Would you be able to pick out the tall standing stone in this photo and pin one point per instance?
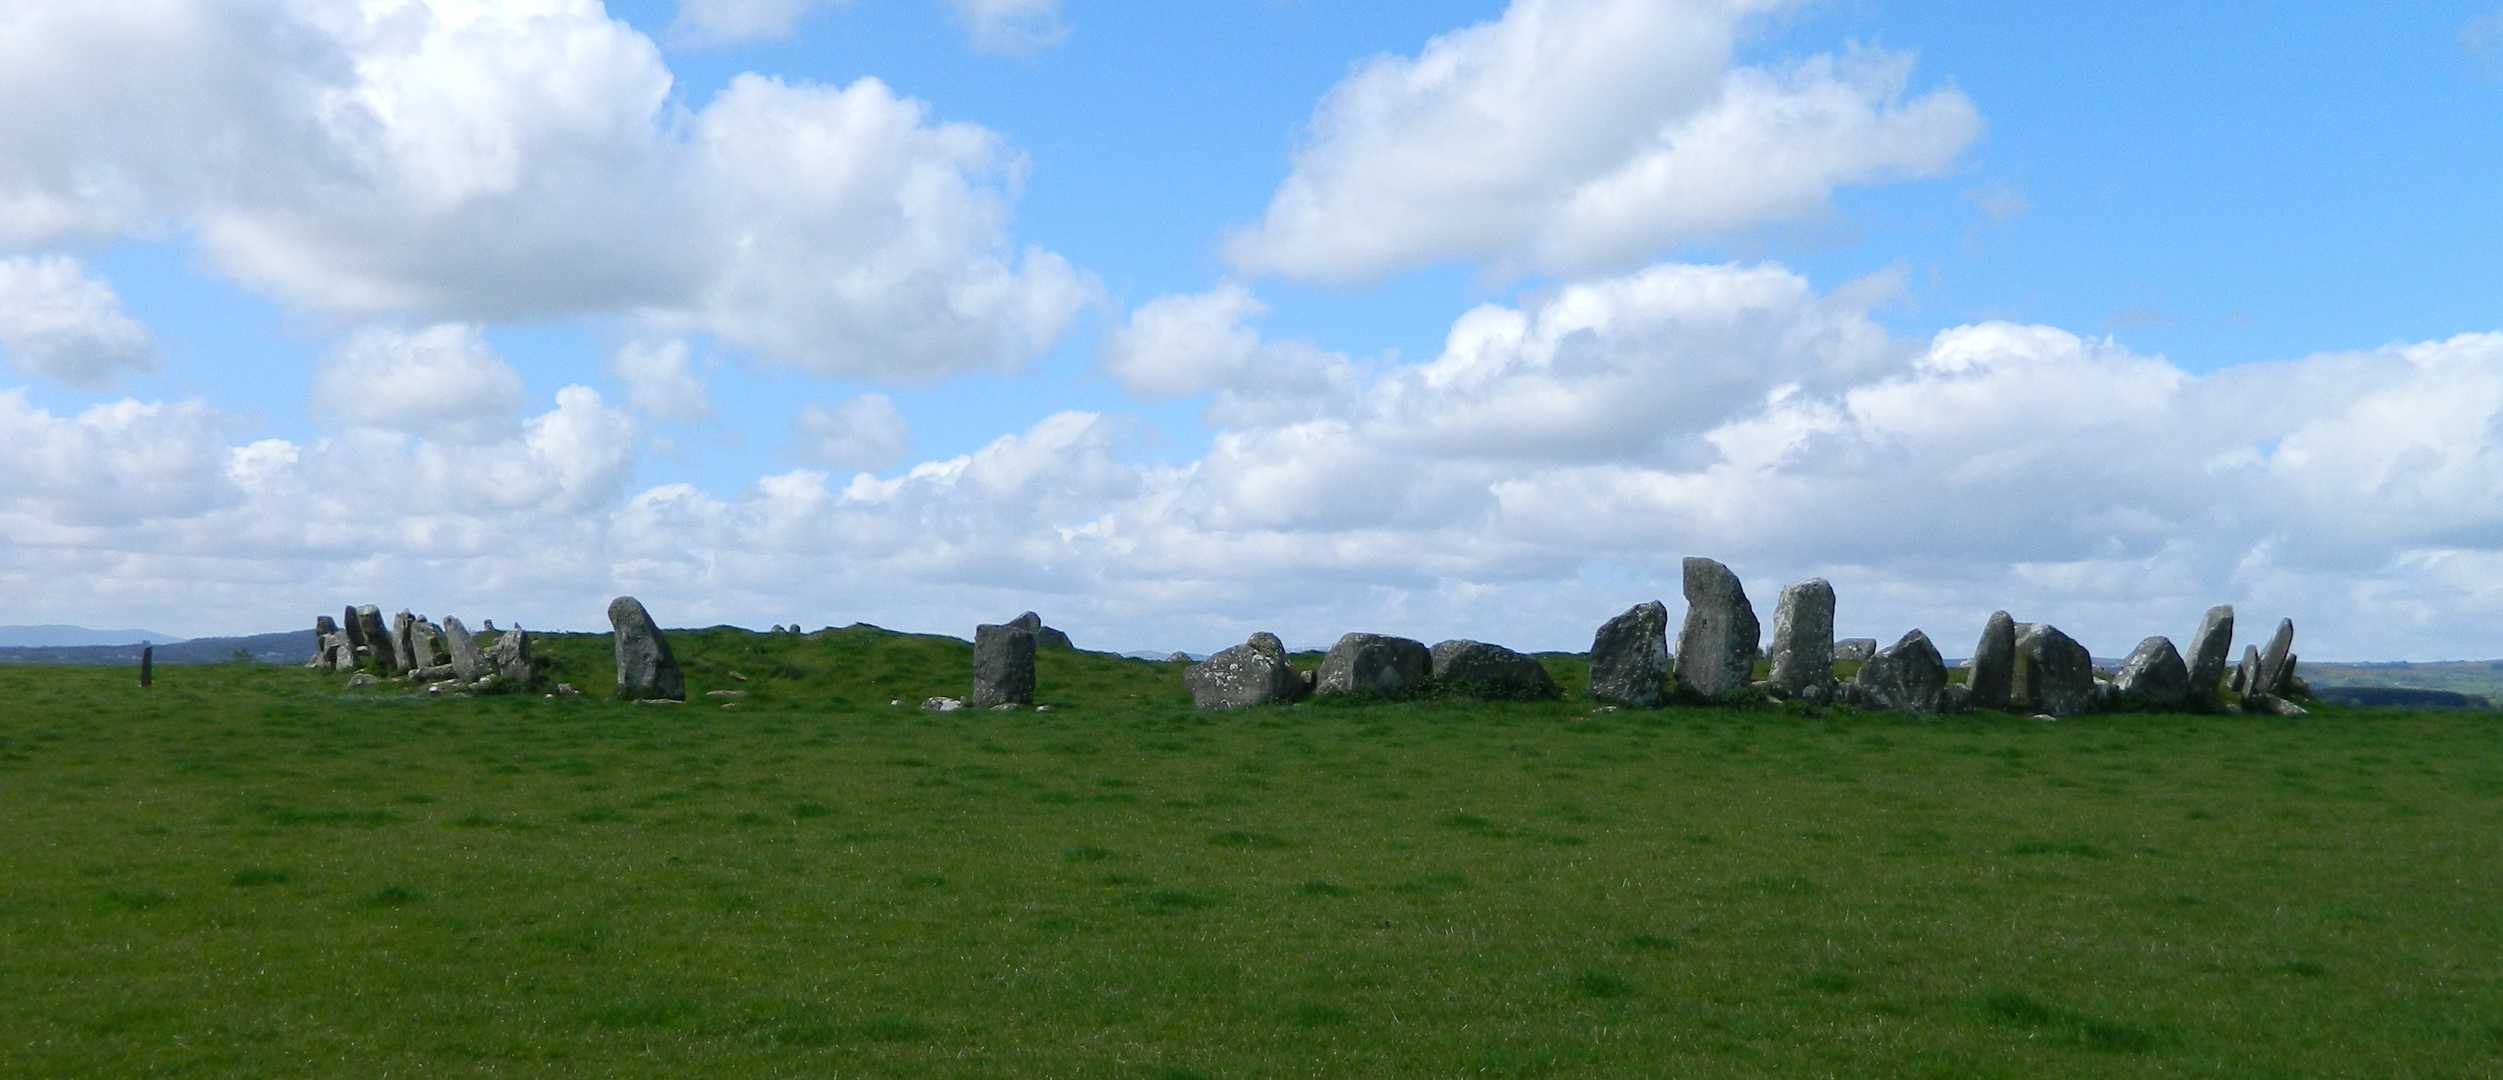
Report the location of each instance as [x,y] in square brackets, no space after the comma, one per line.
[426,645]
[1629,657]
[377,637]
[354,628]
[1253,673]
[1716,648]
[1376,664]
[147,666]
[2054,673]
[1908,676]
[2276,662]
[2153,677]
[2209,653]
[469,664]
[1003,666]
[403,641]
[1803,637]
[1993,674]
[645,668]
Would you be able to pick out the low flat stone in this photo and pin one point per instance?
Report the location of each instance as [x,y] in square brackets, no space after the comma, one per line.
[1490,672]
[1716,646]
[725,693]
[1003,666]
[1629,657]
[1803,637]
[363,679]
[1378,665]
[1993,667]
[941,704]
[2153,678]
[1907,676]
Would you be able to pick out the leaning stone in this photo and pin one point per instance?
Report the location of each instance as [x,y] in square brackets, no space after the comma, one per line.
[1044,637]
[1374,664]
[1716,647]
[1856,649]
[2054,674]
[2153,678]
[426,644]
[646,671]
[1803,637]
[1490,672]
[1003,666]
[510,658]
[1908,676]
[403,641]
[2272,705]
[2210,651]
[468,663]
[1629,658]
[2275,662]
[353,627]
[1994,663]
[2246,674]
[377,638]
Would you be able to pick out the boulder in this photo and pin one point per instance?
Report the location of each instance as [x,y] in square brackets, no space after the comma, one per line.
[1044,637]
[403,627]
[2054,674]
[322,629]
[1490,672]
[1629,658]
[645,669]
[2210,651]
[1855,649]
[426,645]
[1003,666]
[1956,699]
[2153,678]
[377,638]
[1908,676]
[1374,664]
[336,655]
[1994,663]
[510,659]
[468,662]
[1803,637]
[1253,673]
[2276,662]
[2272,705]
[1716,648]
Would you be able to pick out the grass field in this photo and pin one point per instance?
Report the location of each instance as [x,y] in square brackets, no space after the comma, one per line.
[250,871]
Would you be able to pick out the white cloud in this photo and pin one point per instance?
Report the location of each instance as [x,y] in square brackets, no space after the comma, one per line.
[659,383]
[731,22]
[59,322]
[1012,27]
[1577,136]
[453,161]
[444,382]
[1174,346]
[863,432]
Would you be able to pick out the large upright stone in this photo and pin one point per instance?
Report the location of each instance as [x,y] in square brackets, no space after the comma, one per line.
[377,637]
[2210,652]
[468,663]
[1003,666]
[645,669]
[1716,648]
[425,643]
[2276,662]
[2153,677]
[2054,674]
[1253,673]
[404,641]
[509,659]
[1993,672]
[1374,664]
[1629,657]
[354,628]
[1803,637]
[1044,637]
[2246,674]
[1908,675]
[1490,672]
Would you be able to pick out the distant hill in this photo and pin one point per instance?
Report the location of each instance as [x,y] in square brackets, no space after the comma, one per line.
[282,647]
[2476,678]
[56,636]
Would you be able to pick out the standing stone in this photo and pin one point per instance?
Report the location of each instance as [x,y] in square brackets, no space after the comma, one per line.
[355,629]
[1629,658]
[1855,649]
[1253,673]
[2276,662]
[2246,674]
[403,634]
[1803,637]
[2209,653]
[336,655]
[2054,674]
[426,645]
[2153,677]
[147,666]
[1994,663]
[322,629]
[1716,648]
[645,669]
[1003,666]
[509,659]
[1377,664]
[377,638]
[469,664]
[1908,676]
[1490,672]
[1044,637]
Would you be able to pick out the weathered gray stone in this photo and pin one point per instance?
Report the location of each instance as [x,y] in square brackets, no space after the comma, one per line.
[1803,637]
[1908,676]
[1994,663]
[2246,674]
[1490,672]
[509,659]
[1003,666]
[2276,662]
[322,629]
[1253,673]
[2054,674]
[1044,637]
[2210,651]
[377,638]
[2272,705]
[1374,664]
[468,661]
[1716,647]
[1629,657]
[1855,649]
[426,644]
[403,659]
[646,670]
[354,627]
[434,673]
[362,680]
[2153,677]
[1956,699]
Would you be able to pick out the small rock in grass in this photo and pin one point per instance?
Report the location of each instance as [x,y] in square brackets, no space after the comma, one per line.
[362,680]
[567,690]
[1042,708]
[942,704]
[1006,706]
[725,693]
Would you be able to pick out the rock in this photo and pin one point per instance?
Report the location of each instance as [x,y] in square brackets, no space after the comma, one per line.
[2272,705]
[510,658]
[377,638]
[1956,699]
[1178,658]
[567,690]
[941,704]
[1490,672]
[2153,678]
[363,679]
[403,640]
[1374,664]
[435,673]
[1817,693]
[1803,637]
[725,693]
[1003,666]
[426,644]
[2276,662]
[1005,706]
[353,627]
[1629,657]
[2054,674]
[468,663]
[646,671]
[1993,667]
[1253,673]
[2210,651]
[1716,648]
[1044,637]
[1856,649]
[2246,674]
[1908,676]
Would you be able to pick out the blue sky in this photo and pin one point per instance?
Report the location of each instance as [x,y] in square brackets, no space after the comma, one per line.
[2237,197]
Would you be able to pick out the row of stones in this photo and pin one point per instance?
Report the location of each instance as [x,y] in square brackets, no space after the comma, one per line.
[1257,672]
[418,649]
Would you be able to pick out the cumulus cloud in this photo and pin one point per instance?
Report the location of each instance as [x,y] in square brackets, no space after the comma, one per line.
[59,322]
[864,432]
[1179,345]
[659,382]
[451,161]
[1581,136]
[443,382]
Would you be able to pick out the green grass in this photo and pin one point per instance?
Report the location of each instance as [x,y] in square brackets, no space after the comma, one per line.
[253,872]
